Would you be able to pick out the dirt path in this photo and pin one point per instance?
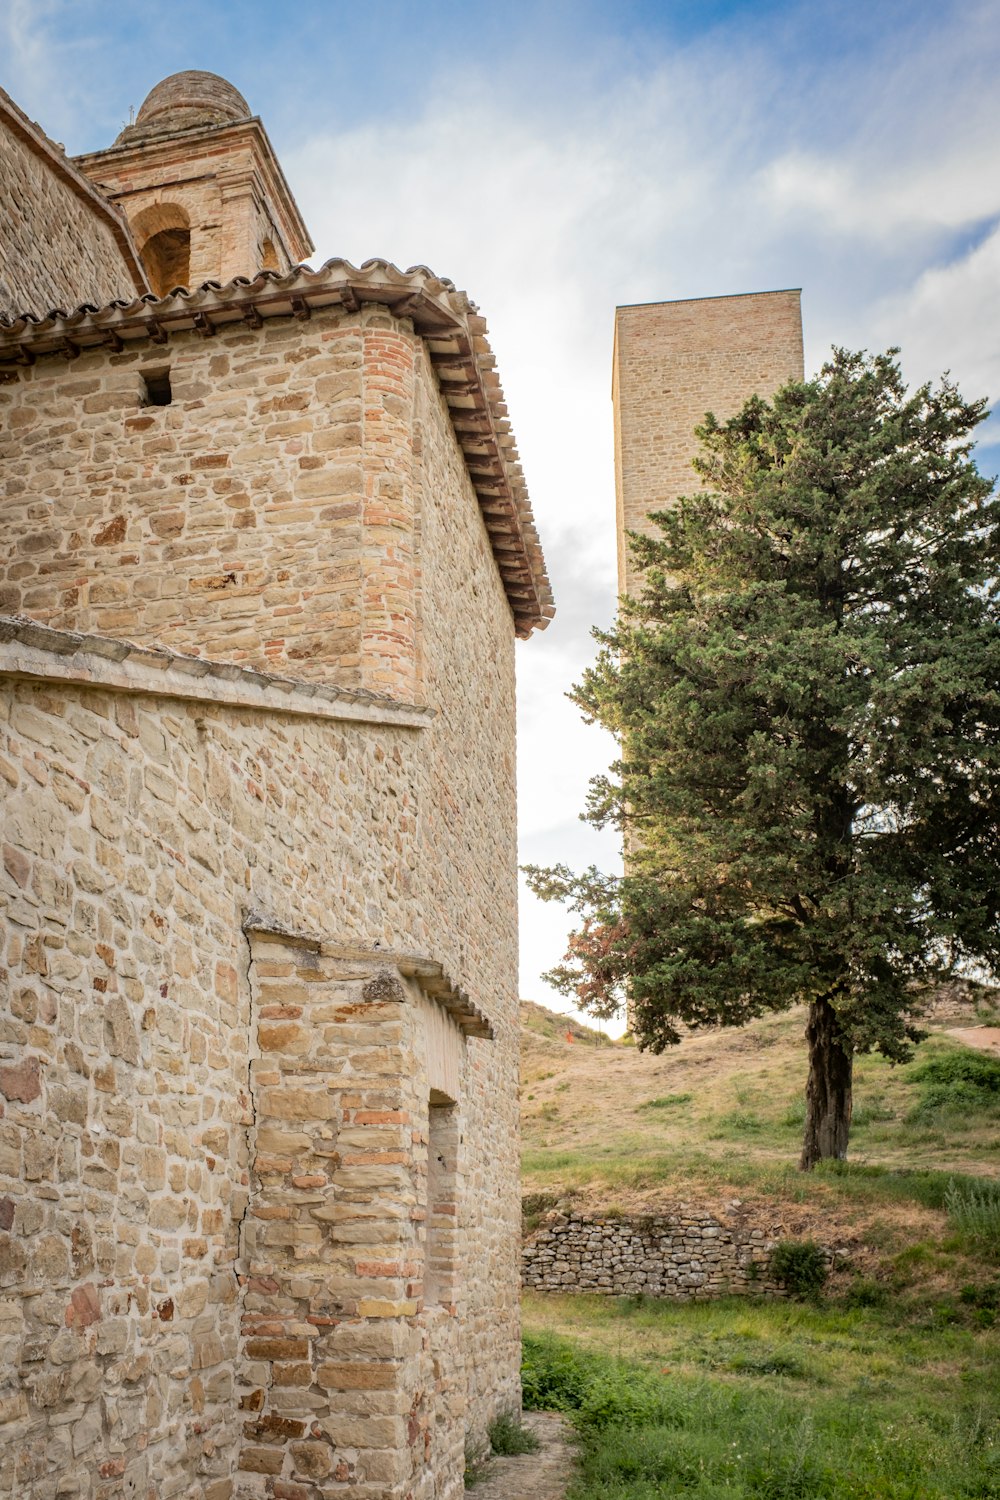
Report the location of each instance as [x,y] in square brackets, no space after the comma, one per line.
[983,1038]
[532,1476]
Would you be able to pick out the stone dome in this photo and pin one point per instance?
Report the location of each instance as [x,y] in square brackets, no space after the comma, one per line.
[186,101]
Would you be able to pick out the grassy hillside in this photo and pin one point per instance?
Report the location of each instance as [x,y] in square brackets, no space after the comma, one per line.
[887,1387]
[720,1117]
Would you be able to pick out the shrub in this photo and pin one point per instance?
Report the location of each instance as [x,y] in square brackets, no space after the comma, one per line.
[965,1078]
[508,1438]
[799,1265]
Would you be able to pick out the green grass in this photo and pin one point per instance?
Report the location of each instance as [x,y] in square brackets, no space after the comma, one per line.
[773,1401]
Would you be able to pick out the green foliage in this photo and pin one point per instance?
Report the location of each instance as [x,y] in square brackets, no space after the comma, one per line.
[805,695]
[800,1266]
[554,1376]
[508,1438]
[755,1432]
[864,1292]
[871,1112]
[667,1101]
[960,1079]
[974,1210]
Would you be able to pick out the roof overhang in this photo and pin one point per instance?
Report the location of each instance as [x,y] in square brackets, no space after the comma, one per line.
[447,321]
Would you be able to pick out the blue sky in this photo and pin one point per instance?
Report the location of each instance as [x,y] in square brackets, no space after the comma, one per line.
[556,159]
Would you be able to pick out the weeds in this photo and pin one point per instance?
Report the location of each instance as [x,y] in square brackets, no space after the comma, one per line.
[839,1408]
[974,1210]
[508,1438]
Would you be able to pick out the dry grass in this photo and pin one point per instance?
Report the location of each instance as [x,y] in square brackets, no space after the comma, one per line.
[720,1116]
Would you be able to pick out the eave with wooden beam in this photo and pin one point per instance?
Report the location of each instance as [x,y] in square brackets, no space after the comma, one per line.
[450,325]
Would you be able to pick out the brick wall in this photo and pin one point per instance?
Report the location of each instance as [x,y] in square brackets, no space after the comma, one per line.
[673,362]
[224,184]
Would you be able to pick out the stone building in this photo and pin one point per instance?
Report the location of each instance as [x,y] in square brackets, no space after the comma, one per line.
[266,549]
[673,362]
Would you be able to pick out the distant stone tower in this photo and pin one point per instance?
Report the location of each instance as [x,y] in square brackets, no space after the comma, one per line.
[201,187]
[673,362]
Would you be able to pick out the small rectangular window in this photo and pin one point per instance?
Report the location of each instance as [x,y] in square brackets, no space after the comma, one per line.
[157,388]
[441,1264]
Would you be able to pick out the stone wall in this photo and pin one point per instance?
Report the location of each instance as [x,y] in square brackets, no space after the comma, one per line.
[61,244]
[468,798]
[267,515]
[686,1254]
[188,1182]
[673,362]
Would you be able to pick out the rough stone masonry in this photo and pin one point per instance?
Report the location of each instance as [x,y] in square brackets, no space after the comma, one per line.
[266,549]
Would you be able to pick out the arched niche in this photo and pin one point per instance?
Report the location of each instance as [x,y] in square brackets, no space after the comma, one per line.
[269,256]
[163,237]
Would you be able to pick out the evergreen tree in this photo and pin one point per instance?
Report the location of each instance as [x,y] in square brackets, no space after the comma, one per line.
[806,696]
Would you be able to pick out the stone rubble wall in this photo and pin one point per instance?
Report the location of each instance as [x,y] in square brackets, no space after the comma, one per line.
[57,244]
[687,1254]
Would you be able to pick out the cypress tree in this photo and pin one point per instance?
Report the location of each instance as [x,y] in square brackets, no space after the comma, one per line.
[806,697]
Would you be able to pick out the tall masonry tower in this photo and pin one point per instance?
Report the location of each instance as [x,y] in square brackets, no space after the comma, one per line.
[673,362]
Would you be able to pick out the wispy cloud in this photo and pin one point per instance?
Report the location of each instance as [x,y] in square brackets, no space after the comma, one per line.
[578,156]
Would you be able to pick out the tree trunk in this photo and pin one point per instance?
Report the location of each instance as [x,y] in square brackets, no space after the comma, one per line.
[828,1091]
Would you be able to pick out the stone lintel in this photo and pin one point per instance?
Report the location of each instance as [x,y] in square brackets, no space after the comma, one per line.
[40,653]
[429,975]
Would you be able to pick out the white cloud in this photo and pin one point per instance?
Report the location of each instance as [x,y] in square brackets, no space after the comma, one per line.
[711,171]
[939,321]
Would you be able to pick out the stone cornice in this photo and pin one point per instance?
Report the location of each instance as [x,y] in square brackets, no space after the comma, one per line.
[41,654]
[455,337]
[62,167]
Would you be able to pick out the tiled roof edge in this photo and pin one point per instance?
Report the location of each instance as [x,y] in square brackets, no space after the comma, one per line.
[445,318]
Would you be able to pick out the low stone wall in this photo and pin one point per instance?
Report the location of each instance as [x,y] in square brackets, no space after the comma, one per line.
[685,1253]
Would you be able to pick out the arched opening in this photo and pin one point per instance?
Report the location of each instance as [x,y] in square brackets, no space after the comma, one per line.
[269,257]
[163,236]
[167,259]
